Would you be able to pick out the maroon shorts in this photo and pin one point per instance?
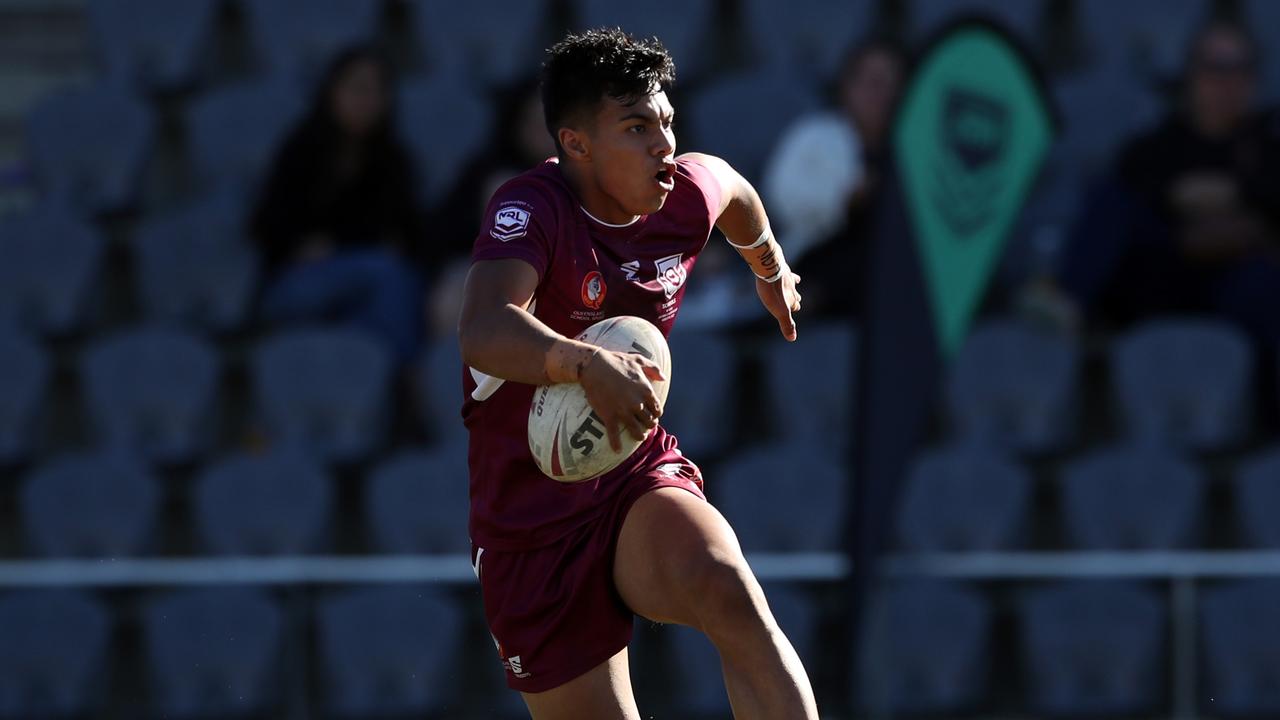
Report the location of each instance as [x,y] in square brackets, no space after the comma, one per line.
[554,611]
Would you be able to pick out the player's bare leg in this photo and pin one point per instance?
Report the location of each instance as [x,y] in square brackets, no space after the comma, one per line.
[604,692]
[678,561]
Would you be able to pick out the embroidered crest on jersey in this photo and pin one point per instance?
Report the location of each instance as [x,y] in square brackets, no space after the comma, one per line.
[509,223]
[631,268]
[671,274]
[593,290]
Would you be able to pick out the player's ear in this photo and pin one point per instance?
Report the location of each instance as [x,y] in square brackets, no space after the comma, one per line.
[575,143]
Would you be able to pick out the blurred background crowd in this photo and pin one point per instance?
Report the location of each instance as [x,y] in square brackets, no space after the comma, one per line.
[232,240]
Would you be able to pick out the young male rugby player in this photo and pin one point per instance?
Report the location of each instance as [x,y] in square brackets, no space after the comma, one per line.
[612,226]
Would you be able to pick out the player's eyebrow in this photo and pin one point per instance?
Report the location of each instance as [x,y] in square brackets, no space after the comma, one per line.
[647,117]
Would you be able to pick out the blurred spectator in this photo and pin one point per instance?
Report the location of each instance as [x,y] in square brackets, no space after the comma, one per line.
[1189,220]
[822,182]
[336,223]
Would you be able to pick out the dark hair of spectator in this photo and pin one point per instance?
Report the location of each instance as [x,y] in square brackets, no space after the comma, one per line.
[582,69]
[865,48]
[1195,49]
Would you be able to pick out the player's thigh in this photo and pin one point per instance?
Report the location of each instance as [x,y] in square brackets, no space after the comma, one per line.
[603,692]
[678,561]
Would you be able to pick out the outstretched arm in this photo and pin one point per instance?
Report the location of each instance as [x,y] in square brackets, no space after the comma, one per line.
[745,225]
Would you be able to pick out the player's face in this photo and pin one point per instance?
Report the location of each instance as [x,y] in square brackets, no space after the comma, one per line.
[358,98]
[632,153]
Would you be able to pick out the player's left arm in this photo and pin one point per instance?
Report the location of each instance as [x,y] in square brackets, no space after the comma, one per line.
[745,225]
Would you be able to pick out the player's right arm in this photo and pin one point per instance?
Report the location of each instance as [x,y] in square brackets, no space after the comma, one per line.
[499,336]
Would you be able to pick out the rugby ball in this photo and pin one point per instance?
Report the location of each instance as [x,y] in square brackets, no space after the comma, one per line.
[566,437]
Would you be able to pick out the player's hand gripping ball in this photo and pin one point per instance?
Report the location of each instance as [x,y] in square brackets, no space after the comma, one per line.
[567,438]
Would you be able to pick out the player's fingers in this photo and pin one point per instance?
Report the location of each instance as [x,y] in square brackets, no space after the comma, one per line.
[650,368]
[787,325]
[637,428]
[611,429]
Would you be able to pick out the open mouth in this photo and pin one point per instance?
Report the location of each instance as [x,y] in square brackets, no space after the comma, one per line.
[665,179]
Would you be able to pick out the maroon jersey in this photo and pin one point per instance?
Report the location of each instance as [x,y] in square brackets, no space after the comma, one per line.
[587,270]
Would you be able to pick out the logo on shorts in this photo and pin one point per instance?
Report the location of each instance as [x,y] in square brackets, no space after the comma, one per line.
[516,666]
[593,290]
[510,223]
[671,274]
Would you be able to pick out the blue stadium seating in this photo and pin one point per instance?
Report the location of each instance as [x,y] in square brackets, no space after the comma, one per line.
[811,36]
[273,504]
[53,658]
[1266,14]
[697,663]
[1257,499]
[1149,36]
[195,266]
[1184,382]
[388,651]
[213,653]
[727,100]
[234,131]
[964,499]
[927,649]
[296,39]
[326,391]
[89,505]
[49,265]
[152,392]
[1015,387]
[442,143]
[699,410]
[683,26]
[1093,648]
[156,44]
[1089,139]
[783,498]
[1021,18]
[489,42]
[417,502]
[811,382]
[88,146]
[440,393]
[24,385]
[1241,639]
[1132,498]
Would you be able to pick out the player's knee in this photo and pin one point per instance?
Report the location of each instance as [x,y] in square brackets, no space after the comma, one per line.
[725,595]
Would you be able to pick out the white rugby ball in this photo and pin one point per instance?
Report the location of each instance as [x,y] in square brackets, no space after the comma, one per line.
[566,437]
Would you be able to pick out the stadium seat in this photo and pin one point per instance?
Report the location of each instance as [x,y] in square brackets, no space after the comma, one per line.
[326,391]
[1021,18]
[440,393]
[1266,14]
[233,132]
[1184,382]
[811,36]
[488,42]
[716,115]
[1089,140]
[296,39]
[1241,636]
[388,651]
[927,649]
[683,26]
[811,383]
[783,498]
[697,663]
[274,504]
[49,265]
[1132,498]
[699,412]
[53,661]
[1148,38]
[213,653]
[1093,649]
[442,143]
[964,499]
[417,502]
[25,372]
[1014,387]
[1257,499]
[152,392]
[195,266]
[88,146]
[89,505]
[161,53]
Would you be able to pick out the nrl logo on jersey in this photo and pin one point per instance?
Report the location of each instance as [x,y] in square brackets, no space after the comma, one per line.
[509,223]
[671,274]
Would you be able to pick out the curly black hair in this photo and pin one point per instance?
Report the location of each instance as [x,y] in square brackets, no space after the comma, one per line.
[584,68]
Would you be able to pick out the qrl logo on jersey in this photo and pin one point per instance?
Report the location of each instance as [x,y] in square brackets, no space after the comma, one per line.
[671,273]
[593,290]
[510,223]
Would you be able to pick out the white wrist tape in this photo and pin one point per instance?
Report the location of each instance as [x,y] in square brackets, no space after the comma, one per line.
[764,238]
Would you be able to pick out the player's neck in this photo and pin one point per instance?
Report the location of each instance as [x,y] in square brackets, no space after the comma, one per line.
[595,202]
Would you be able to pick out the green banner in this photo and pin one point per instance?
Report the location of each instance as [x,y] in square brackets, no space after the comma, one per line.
[971,137]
